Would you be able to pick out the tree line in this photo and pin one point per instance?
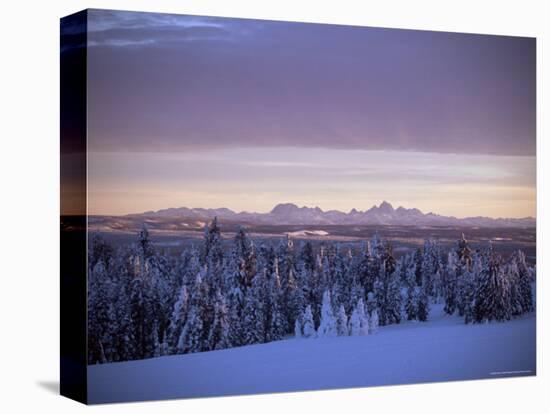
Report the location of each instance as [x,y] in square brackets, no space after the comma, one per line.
[144,303]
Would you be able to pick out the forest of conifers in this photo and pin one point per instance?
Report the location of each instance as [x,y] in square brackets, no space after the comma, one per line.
[143,302]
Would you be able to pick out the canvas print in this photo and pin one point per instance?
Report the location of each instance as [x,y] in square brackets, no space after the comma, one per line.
[265,206]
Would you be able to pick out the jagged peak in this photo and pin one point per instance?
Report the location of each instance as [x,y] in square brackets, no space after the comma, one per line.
[384,213]
[385,206]
[284,207]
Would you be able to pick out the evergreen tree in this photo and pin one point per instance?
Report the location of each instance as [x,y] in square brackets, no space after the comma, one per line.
[418,266]
[411,305]
[236,281]
[161,287]
[452,288]
[254,321]
[219,331]
[512,275]
[286,260]
[364,272]
[156,342]
[177,319]
[430,264]
[308,327]
[358,322]
[387,290]
[189,267]
[144,245]
[342,322]
[524,280]
[357,291]
[422,304]
[464,252]
[468,289]
[100,250]
[325,277]
[341,287]
[327,328]
[211,249]
[277,322]
[371,303]
[245,255]
[298,329]
[293,299]
[491,291]
[307,258]
[190,339]
[236,305]
[121,332]
[437,285]
[138,315]
[373,322]
[102,317]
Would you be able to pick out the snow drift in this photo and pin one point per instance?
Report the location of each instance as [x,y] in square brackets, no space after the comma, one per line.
[443,349]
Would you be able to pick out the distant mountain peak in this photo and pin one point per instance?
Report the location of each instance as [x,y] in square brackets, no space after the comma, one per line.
[385,207]
[284,208]
[383,214]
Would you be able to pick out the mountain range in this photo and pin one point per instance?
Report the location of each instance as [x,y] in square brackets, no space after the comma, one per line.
[383,214]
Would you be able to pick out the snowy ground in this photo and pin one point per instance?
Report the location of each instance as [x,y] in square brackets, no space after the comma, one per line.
[443,349]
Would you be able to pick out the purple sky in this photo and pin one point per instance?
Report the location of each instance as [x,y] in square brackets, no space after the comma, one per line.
[187,85]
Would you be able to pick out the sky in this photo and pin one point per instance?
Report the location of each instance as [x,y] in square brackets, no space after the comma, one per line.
[214,112]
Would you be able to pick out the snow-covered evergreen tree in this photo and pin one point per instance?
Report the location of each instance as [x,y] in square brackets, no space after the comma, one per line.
[371,304]
[358,321]
[342,280]
[219,331]
[342,322]
[387,290]
[308,328]
[298,329]
[190,339]
[373,322]
[99,315]
[255,311]
[277,322]
[411,305]
[430,265]
[293,299]
[100,250]
[491,295]
[452,287]
[524,280]
[422,304]
[211,248]
[139,318]
[157,351]
[144,245]
[468,286]
[327,327]
[177,320]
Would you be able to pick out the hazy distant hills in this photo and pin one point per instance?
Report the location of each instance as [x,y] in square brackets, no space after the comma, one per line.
[291,214]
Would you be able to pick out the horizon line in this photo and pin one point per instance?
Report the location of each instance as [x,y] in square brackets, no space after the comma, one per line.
[314,207]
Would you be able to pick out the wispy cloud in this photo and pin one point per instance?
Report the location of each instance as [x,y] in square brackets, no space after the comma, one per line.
[123,28]
[121,42]
[102,20]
